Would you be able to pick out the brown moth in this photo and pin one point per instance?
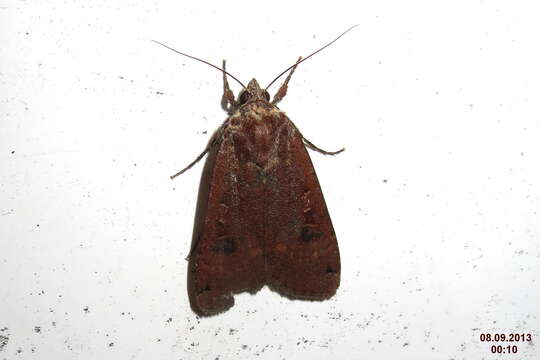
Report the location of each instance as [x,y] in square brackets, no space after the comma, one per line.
[261,218]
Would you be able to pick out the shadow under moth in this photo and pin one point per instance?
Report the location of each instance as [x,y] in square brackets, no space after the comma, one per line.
[261,218]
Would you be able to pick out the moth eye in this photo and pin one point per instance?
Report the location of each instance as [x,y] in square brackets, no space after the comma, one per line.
[266,95]
[244,97]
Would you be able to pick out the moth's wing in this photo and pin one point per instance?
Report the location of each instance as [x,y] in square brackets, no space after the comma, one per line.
[226,255]
[302,254]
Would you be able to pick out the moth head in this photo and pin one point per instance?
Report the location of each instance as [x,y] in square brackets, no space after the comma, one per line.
[253,92]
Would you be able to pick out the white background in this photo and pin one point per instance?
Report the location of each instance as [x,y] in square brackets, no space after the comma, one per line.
[435,202]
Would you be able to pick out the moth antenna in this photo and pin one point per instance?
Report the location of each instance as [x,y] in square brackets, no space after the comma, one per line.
[307,57]
[201,60]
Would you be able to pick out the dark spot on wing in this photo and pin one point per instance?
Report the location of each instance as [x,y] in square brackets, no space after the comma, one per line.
[330,270]
[226,245]
[309,233]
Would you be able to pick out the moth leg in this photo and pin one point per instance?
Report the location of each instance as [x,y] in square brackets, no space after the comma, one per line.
[192,163]
[283,89]
[310,145]
[228,103]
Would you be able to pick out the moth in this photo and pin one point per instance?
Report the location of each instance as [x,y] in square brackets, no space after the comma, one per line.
[261,219]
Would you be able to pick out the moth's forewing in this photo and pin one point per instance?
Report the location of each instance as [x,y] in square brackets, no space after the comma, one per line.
[302,254]
[226,255]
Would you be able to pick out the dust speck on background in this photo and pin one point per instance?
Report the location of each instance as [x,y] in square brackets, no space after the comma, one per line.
[3,341]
